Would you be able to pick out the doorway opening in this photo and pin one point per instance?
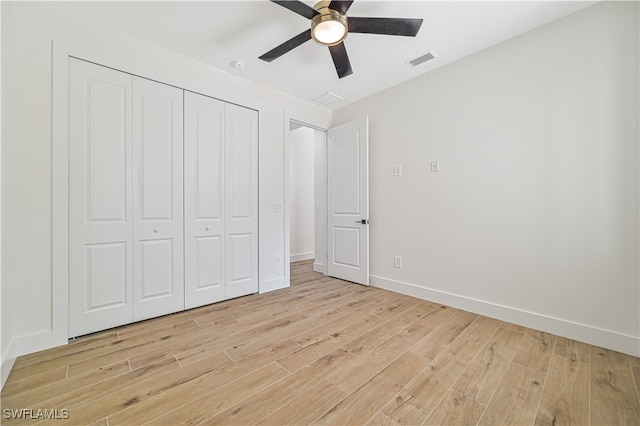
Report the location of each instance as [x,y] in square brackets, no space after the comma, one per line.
[302,206]
[340,187]
[306,194]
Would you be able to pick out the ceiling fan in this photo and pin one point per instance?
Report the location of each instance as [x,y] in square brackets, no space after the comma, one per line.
[330,26]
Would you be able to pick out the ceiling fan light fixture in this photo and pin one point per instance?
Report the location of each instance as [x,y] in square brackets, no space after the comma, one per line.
[329,27]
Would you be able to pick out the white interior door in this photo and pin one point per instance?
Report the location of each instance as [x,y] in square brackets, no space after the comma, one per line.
[204,200]
[100,209]
[241,153]
[158,277]
[348,201]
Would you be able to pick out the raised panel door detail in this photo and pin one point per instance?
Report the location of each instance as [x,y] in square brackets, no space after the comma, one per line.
[346,167]
[106,275]
[240,170]
[106,150]
[100,207]
[209,273]
[157,156]
[240,255]
[209,168]
[346,246]
[157,269]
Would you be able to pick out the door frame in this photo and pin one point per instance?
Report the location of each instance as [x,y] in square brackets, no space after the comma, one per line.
[306,122]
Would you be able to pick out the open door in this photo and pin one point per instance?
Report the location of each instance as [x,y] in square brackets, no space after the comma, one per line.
[348,201]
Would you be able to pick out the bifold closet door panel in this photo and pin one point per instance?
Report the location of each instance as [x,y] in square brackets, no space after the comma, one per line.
[204,208]
[100,208]
[163,214]
[158,274]
[241,146]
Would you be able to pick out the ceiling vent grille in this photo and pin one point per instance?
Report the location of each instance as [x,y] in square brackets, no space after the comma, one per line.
[328,98]
[421,59]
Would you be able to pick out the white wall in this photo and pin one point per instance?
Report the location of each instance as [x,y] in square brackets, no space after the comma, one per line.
[533,217]
[320,205]
[301,195]
[34,37]
[5,328]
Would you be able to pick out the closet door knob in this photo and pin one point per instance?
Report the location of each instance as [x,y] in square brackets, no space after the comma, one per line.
[156,230]
[207,228]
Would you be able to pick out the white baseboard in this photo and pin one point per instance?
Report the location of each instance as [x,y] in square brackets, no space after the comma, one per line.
[319,267]
[272,285]
[302,256]
[572,330]
[28,344]
[7,364]
[38,341]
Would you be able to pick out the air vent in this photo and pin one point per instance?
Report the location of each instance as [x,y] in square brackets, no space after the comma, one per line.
[421,59]
[328,98]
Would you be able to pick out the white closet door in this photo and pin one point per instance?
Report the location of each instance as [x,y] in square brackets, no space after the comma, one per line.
[242,200]
[204,208]
[157,209]
[100,210]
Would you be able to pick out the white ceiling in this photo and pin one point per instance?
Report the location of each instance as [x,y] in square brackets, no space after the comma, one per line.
[218,32]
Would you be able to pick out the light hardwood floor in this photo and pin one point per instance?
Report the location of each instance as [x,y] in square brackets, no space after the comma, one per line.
[325,352]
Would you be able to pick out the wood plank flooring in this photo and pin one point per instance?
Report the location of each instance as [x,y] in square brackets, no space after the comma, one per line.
[323,352]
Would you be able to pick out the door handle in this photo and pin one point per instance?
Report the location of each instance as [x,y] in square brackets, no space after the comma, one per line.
[363,221]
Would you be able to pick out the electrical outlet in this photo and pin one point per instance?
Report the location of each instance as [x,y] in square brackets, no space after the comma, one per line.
[278,259]
[397,262]
[435,166]
[397,170]
[278,207]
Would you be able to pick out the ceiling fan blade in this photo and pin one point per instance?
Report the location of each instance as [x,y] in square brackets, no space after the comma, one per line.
[341,60]
[288,45]
[388,26]
[340,6]
[297,7]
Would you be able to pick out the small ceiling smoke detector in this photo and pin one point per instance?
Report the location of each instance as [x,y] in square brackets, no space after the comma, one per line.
[238,63]
[421,59]
[328,98]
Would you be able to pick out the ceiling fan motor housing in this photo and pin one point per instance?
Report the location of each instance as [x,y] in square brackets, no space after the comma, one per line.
[329,27]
